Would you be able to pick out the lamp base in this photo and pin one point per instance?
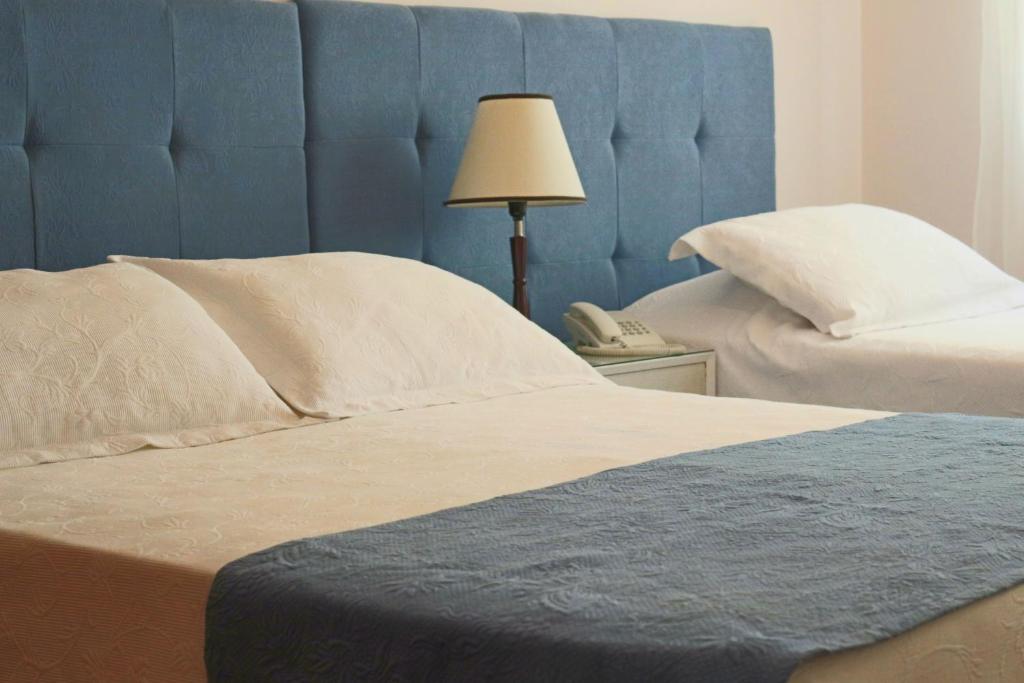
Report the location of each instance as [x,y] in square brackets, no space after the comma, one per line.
[519,299]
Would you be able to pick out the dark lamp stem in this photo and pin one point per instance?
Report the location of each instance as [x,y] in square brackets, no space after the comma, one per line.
[518,243]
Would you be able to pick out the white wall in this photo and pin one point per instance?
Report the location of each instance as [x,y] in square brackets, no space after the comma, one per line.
[922,60]
[817,78]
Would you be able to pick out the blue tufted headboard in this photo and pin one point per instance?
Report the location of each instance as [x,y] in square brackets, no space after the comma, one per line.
[212,128]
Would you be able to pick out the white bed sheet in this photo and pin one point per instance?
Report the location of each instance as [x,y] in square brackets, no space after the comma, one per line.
[765,351]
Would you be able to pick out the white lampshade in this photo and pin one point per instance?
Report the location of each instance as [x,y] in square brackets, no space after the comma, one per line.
[516,152]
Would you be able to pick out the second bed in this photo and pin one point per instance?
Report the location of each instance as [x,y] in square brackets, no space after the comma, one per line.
[764,350]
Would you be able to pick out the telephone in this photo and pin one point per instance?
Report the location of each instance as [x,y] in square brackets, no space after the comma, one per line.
[613,333]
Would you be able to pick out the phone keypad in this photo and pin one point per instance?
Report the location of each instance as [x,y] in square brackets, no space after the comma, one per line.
[633,327]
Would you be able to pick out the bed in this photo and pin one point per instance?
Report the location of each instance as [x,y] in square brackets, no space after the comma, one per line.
[133,542]
[165,427]
[767,351]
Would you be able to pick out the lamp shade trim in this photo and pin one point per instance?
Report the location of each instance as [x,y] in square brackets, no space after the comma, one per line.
[535,198]
[516,96]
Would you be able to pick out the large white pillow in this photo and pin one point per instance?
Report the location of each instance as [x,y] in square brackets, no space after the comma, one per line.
[855,268]
[110,359]
[341,334]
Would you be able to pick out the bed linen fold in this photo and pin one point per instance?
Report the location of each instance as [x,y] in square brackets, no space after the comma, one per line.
[733,564]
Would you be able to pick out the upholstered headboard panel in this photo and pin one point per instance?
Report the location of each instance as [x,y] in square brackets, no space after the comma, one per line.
[210,128]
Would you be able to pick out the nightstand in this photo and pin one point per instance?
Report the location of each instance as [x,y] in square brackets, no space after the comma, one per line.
[692,372]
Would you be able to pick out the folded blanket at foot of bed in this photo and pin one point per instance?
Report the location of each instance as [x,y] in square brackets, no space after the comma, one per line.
[727,565]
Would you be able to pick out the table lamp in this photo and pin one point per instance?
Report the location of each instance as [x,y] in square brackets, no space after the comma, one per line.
[516,156]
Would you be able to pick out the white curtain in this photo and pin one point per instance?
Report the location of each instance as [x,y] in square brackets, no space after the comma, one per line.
[999,205]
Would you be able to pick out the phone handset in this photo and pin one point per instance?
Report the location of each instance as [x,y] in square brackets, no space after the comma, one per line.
[597,326]
[613,333]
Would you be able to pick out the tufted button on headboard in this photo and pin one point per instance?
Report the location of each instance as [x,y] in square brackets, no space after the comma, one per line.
[212,128]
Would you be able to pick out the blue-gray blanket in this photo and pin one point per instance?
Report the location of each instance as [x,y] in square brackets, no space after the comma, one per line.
[727,565]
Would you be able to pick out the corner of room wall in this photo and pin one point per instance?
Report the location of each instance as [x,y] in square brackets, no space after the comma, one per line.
[921,80]
[841,101]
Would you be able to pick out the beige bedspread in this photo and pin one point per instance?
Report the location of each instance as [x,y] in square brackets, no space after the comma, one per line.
[105,563]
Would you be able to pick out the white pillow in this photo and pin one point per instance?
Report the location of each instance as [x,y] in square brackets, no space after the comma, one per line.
[341,334]
[855,268]
[110,359]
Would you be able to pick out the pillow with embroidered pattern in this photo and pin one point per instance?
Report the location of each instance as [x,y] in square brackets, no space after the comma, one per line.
[343,334]
[110,359]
